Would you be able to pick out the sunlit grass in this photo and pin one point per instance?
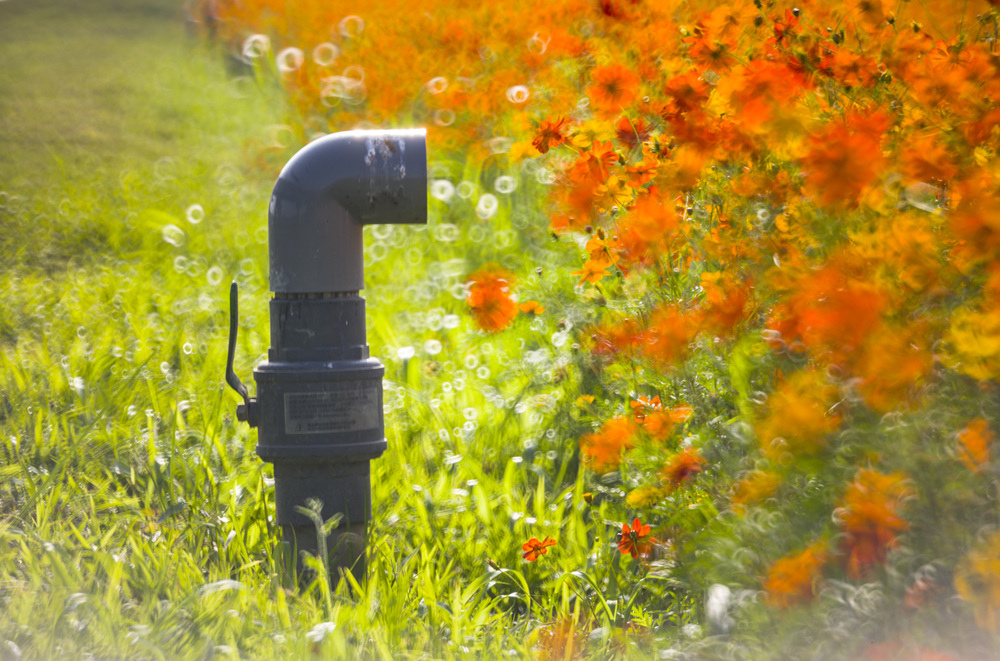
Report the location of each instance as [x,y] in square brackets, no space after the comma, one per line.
[135,520]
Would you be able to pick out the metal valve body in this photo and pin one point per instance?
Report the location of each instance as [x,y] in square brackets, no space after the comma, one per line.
[320,407]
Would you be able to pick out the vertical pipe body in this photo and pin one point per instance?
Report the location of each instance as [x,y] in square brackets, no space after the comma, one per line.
[319,394]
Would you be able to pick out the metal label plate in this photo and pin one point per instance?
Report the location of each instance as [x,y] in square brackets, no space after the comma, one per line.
[355,408]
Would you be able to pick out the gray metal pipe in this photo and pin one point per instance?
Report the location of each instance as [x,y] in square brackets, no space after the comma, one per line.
[319,394]
[328,191]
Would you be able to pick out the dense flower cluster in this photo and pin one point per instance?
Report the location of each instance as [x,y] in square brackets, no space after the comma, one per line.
[787,224]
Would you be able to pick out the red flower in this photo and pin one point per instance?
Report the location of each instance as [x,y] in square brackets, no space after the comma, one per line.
[632,538]
[534,548]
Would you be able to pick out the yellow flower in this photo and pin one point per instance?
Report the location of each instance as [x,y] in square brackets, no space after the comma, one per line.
[977,580]
[646,496]
[975,343]
[590,132]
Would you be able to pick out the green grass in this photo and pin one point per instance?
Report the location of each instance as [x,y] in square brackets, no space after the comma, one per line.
[135,520]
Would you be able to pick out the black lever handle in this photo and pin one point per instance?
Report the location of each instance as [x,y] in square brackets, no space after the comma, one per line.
[247,411]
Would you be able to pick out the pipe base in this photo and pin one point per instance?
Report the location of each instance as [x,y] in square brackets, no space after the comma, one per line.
[345,552]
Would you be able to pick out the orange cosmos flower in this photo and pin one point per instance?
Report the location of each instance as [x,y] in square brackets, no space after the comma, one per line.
[659,424]
[593,166]
[648,231]
[681,466]
[489,299]
[785,28]
[668,338]
[798,418]
[602,449]
[755,487]
[872,12]
[892,366]
[974,444]
[725,302]
[634,539]
[793,579]
[613,88]
[843,162]
[687,92]
[871,519]
[926,158]
[550,134]
[830,311]
[531,307]
[849,68]
[593,271]
[643,406]
[534,548]
[613,338]
[977,212]
[632,132]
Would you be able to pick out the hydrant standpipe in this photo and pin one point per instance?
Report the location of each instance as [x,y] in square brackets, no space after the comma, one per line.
[318,408]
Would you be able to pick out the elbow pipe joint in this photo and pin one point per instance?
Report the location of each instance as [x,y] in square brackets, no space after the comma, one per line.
[325,195]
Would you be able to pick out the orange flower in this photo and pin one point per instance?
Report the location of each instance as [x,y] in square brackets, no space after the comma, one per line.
[550,134]
[755,487]
[725,302]
[634,540]
[648,230]
[593,271]
[593,166]
[659,424]
[798,417]
[974,444]
[830,311]
[644,406]
[784,28]
[632,132]
[793,579]
[613,338]
[927,159]
[602,449]
[681,466]
[892,366]
[614,88]
[531,307]
[534,548]
[872,12]
[668,338]
[871,519]
[842,163]
[489,299]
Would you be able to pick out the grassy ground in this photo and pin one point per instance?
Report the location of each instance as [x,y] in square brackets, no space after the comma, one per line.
[134,516]
[93,96]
